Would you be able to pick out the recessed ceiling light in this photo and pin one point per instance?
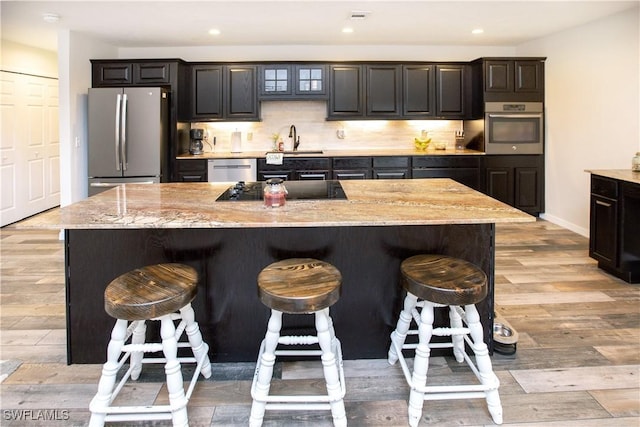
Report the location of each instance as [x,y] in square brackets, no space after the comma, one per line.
[50,18]
[477,31]
[214,32]
[347,30]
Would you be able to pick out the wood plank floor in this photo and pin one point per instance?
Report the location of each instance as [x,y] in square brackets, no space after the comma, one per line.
[577,361]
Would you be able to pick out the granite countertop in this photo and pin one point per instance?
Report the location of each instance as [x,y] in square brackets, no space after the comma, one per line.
[370,203]
[620,174]
[331,153]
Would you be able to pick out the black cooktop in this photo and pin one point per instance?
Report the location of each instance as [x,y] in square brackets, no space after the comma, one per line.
[297,190]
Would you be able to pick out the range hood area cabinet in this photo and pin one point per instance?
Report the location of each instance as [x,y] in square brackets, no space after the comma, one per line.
[398,91]
[224,92]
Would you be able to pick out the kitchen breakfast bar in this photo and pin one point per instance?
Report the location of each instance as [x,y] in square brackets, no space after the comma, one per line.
[366,236]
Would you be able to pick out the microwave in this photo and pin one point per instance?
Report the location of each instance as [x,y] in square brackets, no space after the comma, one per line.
[514,128]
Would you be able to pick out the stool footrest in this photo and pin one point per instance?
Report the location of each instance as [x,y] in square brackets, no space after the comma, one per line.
[298,340]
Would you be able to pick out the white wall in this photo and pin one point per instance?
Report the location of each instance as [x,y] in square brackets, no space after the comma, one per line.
[319,53]
[74,53]
[592,109]
[19,58]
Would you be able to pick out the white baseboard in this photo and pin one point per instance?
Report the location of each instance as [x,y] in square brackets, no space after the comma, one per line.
[565,224]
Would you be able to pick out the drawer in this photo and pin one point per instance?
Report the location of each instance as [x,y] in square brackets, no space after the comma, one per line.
[445,162]
[351,162]
[604,187]
[391,162]
[192,165]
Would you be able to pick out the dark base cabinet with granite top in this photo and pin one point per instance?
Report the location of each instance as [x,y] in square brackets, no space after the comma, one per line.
[231,317]
[614,231]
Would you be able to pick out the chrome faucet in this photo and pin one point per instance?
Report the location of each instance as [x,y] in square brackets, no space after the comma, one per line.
[296,139]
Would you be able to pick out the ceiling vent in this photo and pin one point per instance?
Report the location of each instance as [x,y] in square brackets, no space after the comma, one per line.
[359,14]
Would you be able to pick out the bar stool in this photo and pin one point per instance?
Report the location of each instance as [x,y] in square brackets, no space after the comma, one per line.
[441,281]
[154,292]
[299,286]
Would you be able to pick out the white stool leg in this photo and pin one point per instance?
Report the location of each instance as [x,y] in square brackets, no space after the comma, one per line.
[138,337]
[102,399]
[323,326]
[420,364]
[175,386]
[264,371]
[483,361]
[198,346]
[456,339]
[399,335]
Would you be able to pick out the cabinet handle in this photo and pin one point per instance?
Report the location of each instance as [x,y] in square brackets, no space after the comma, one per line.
[605,204]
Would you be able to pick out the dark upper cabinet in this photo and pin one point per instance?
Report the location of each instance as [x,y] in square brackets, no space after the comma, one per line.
[513,80]
[345,91]
[207,97]
[292,81]
[111,73]
[310,81]
[418,90]
[395,91]
[451,91]
[124,73]
[383,90]
[241,92]
[435,91]
[224,92]
[276,81]
[516,180]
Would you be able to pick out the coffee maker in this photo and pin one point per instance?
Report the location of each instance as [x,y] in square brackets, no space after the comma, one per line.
[195,146]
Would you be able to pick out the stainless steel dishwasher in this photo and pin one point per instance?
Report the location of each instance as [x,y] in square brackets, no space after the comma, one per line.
[232,170]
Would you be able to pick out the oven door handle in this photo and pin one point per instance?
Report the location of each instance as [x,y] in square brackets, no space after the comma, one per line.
[515,116]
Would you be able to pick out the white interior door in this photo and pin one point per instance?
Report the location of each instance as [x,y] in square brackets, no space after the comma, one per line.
[30,148]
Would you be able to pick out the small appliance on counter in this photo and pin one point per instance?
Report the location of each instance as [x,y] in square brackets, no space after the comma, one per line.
[195,146]
[236,142]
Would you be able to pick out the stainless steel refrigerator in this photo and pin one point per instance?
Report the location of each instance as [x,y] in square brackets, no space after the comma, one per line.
[128,136]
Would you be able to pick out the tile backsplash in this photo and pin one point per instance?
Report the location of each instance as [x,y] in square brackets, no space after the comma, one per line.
[316,133]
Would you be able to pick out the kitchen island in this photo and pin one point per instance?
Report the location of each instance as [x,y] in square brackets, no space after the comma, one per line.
[365,236]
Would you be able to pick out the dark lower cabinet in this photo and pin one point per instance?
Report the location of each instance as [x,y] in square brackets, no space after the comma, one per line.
[392,167]
[614,229]
[351,168]
[463,169]
[296,168]
[516,180]
[191,170]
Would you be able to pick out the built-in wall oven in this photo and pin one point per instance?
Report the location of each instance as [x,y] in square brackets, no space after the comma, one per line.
[514,128]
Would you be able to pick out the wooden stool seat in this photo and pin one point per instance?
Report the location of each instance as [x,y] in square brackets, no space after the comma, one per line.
[299,285]
[444,280]
[152,291]
[431,282]
[162,293]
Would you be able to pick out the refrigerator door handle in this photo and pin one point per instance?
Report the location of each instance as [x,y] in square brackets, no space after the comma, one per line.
[123,138]
[117,133]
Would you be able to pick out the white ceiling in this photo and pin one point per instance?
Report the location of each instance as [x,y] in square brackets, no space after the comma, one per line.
[302,22]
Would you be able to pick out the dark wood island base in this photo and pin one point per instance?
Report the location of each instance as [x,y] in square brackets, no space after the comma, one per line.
[228,260]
